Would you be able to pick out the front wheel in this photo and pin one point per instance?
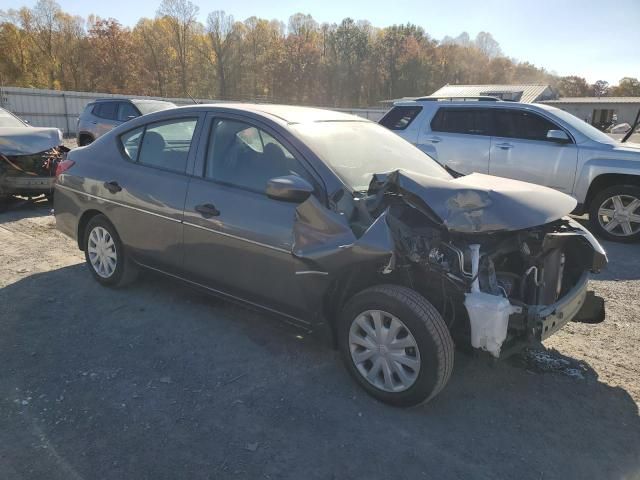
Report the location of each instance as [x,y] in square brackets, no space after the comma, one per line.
[614,213]
[105,254]
[396,345]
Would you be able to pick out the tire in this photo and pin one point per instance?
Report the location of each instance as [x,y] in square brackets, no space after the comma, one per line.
[605,201]
[85,140]
[117,273]
[424,327]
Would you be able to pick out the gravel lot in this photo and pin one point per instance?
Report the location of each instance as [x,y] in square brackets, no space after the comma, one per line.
[158,381]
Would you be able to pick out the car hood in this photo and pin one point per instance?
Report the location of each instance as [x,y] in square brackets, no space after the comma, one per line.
[28,140]
[476,203]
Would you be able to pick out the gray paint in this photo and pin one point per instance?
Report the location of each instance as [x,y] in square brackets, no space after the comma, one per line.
[276,254]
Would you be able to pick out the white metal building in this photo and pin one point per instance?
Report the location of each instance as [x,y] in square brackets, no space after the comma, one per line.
[525,93]
[600,110]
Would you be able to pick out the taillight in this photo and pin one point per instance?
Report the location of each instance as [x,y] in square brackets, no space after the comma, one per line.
[63,166]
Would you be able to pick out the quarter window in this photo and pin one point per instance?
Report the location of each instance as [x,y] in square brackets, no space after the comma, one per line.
[521,124]
[470,121]
[131,142]
[399,118]
[242,155]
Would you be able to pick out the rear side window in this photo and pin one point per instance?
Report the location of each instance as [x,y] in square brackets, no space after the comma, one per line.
[166,145]
[521,124]
[162,145]
[399,118]
[106,110]
[470,121]
[127,112]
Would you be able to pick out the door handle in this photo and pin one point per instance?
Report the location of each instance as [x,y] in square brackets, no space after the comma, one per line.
[504,146]
[435,139]
[112,186]
[95,123]
[207,210]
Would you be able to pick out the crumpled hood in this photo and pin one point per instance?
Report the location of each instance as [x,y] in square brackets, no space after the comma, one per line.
[28,140]
[477,203]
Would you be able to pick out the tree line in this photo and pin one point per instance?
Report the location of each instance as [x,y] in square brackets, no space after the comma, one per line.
[173,54]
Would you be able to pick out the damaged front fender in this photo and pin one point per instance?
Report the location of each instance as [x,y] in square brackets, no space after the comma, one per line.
[324,240]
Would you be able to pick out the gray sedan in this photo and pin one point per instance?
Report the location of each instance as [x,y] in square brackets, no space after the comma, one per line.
[337,225]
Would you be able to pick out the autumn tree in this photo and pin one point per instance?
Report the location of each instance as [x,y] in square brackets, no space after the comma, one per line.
[181,17]
[573,86]
[627,87]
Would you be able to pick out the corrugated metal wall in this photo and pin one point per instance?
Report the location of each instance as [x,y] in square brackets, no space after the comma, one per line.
[55,108]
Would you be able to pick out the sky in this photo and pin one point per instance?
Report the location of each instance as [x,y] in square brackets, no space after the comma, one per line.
[598,40]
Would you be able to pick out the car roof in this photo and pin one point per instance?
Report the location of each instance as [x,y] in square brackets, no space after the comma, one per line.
[469,102]
[133,100]
[287,114]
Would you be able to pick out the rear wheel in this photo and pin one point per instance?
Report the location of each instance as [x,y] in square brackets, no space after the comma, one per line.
[614,213]
[84,140]
[105,254]
[396,345]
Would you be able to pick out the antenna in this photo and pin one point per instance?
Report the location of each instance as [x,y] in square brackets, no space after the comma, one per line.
[193,99]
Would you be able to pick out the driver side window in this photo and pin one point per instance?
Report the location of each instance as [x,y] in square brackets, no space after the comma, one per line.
[244,156]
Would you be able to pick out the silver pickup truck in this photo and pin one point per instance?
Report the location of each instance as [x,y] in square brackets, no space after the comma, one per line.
[531,142]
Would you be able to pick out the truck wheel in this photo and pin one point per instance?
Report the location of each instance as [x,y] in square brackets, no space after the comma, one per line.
[396,345]
[614,213]
[105,255]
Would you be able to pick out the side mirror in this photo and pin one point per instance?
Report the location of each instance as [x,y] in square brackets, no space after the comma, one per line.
[558,136]
[290,188]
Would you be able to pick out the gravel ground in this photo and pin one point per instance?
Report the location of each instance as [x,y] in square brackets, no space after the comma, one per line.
[158,381]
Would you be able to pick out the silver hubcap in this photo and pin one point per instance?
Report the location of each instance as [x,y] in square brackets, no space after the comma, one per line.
[619,215]
[102,252]
[384,351]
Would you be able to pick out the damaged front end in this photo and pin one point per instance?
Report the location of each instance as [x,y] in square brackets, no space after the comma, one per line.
[28,160]
[499,258]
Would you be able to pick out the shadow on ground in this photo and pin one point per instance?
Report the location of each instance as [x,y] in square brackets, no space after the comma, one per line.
[16,208]
[158,381]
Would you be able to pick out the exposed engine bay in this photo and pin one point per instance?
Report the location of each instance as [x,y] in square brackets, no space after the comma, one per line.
[502,263]
[28,160]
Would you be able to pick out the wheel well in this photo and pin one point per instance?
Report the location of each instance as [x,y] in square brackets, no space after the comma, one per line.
[608,180]
[82,225]
[85,135]
[355,280]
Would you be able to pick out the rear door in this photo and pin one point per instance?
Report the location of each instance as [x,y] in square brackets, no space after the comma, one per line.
[520,150]
[238,240]
[458,137]
[106,117]
[148,189]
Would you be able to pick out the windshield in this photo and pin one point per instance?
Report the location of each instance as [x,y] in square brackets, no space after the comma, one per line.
[356,150]
[149,106]
[583,127]
[7,119]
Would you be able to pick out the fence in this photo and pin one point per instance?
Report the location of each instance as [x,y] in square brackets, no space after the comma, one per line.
[61,109]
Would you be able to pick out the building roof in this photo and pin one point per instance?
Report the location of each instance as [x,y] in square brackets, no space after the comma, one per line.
[594,100]
[530,91]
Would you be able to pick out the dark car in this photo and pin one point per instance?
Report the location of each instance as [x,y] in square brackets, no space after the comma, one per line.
[103,114]
[339,226]
[29,157]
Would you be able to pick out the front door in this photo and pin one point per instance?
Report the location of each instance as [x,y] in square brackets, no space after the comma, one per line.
[237,240]
[520,150]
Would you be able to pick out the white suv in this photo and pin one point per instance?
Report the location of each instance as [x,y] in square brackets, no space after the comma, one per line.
[531,142]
